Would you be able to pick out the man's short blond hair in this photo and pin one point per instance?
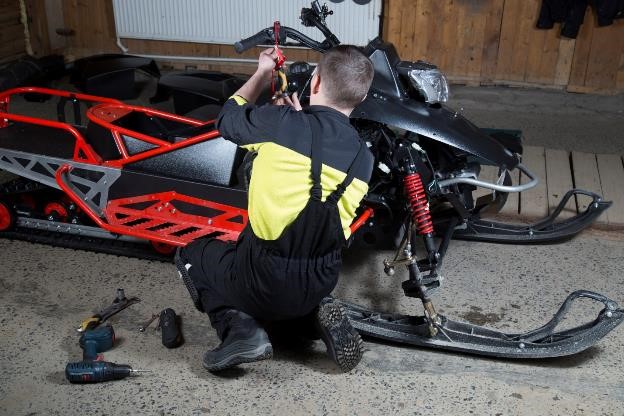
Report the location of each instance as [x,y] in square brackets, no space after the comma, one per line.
[346,75]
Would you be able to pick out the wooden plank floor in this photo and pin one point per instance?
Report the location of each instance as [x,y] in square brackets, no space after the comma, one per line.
[534,202]
[558,172]
[586,176]
[611,172]
[559,181]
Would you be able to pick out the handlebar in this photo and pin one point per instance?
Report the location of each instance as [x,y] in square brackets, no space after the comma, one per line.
[267,37]
[260,38]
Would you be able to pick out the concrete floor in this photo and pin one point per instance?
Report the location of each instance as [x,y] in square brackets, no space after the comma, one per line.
[553,119]
[45,292]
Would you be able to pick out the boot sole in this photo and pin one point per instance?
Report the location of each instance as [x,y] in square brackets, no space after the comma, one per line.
[344,343]
[177,259]
[239,353]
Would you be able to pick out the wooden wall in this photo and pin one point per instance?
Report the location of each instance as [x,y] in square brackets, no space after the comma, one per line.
[12,38]
[496,42]
[474,41]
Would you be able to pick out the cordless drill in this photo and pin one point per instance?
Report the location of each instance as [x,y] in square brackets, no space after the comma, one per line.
[97,371]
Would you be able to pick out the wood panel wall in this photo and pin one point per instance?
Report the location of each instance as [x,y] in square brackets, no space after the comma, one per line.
[473,41]
[12,38]
[496,42]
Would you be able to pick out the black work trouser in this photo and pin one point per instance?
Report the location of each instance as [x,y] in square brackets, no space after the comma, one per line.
[248,278]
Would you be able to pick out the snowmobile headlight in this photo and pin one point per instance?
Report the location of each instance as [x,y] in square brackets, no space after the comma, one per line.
[431,83]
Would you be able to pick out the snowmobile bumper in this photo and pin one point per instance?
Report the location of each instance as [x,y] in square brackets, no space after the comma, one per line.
[545,230]
[543,342]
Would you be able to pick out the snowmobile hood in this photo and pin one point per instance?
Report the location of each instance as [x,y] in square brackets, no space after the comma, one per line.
[436,122]
[388,102]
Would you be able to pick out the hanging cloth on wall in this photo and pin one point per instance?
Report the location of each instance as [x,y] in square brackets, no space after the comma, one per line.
[572,12]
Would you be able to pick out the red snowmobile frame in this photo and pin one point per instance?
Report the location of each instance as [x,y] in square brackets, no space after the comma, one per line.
[169,215]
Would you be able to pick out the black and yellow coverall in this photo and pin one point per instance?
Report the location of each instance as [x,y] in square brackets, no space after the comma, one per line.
[309,176]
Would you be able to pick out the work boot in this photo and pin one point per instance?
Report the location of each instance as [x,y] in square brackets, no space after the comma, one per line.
[343,342]
[244,342]
[183,267]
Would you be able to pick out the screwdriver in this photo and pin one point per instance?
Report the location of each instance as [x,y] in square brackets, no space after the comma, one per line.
[97,371]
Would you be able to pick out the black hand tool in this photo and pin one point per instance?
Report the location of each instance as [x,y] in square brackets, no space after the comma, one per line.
[120,303]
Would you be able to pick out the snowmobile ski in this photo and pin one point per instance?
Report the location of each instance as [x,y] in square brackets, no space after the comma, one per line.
[546,230]
[543,342]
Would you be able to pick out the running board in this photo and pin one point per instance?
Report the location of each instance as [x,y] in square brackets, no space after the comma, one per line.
[543,342]
[546,230]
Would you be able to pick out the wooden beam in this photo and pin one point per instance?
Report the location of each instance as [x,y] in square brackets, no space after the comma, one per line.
[534,202]
[582,48]
[38,27]
[559,181]
[586,176]
[611,172]
[564,61]
[507,39]
[491,40]
[620,75]
[406,38]
[55,20]
[603,63]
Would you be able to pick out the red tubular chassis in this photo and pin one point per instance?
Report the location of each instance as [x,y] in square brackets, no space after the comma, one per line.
[102,178]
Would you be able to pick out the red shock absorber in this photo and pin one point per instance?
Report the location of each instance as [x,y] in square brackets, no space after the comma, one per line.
[417,198]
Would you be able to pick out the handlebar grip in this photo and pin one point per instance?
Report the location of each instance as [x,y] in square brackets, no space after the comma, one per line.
[260,38]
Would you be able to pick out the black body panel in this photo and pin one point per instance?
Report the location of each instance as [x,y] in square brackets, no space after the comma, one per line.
[132,184]
[388,102]
[194,89]
[213,161]
[39,140]
[111,75]
[437,123]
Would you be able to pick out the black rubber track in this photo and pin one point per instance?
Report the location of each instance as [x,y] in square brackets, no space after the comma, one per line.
[73,241]
[78,242]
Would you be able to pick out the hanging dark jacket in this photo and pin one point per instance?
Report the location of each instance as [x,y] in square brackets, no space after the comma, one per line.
[608,10]
[571,14]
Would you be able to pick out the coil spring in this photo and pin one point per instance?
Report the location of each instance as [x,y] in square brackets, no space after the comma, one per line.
[417,198]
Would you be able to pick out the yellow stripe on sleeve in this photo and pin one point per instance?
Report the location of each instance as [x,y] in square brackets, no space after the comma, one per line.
[239,100]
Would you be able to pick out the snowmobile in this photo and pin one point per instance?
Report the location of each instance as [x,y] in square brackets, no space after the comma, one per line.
[124,174]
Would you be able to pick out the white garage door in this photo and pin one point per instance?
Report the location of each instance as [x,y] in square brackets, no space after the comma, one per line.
[227,21]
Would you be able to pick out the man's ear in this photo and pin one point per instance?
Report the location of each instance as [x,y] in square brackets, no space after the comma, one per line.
[316,84]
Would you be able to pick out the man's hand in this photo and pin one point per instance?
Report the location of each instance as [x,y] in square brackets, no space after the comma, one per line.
[250,91]
[266,60]
[292,101]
